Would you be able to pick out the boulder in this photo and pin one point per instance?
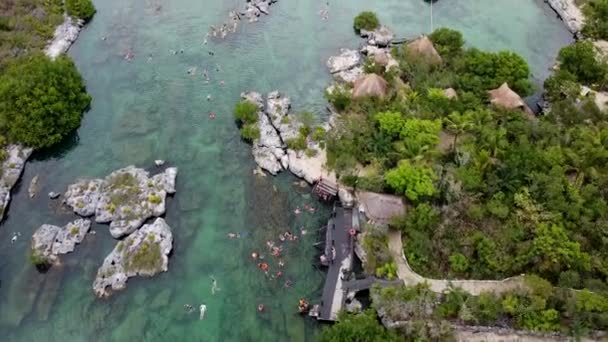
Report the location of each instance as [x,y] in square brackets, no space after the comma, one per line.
[347,59]
[143,253]
[12,167]
[48,241]
[350,75]
[159,162]
[277,109]
[126,198]
[54,195]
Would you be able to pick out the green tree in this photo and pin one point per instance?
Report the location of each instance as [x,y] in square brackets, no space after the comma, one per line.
[556,251]
[41,101]
[363,327]
[419,135]
[82,9]
[246,112]
[250,132]
[458,263]
[366,21]
[580,59]
[390,123]
[448,42]
[414,181]
[479,71]
[596,20]
[457,124]
[561,85]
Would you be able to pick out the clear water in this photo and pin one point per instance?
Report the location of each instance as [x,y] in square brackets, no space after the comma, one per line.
[151,109]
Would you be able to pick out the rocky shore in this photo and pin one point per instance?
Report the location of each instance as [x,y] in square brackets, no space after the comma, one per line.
[65,35]
[143,253]
[126,198]
[251,12]
[49,241]
[12,168]
[569,12]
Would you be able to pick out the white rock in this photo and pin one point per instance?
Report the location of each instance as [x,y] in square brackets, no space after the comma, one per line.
[347,59]
[118,266]
[48,241]
[12,168]
[346,197]
[65,34]
[54,195]
[382,36]
[570,14]
[125,198]
[350,75]
[159,162]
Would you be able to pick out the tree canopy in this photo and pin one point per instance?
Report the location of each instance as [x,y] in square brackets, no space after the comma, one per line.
[366,21]
[363,327]
[82,9]
[41,101]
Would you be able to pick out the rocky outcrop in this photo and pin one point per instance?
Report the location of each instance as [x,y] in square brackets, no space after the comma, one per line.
[65,35]
[12,167]
[125,198]
[347,66]
[382,36]
[569,12]
[49,241]
[143,253]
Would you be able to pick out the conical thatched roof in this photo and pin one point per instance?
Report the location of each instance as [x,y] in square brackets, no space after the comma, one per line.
[380,207]
[370,85]
[504,97]
[381,58]
[423,47]
[450,93]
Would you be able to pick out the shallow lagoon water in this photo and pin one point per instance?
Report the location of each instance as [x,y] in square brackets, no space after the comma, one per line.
[150,108]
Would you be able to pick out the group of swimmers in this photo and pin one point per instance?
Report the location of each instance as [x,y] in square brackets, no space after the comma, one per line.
[307,207]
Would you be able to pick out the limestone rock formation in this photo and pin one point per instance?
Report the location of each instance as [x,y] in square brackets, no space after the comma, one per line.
[143,253]
[125,198]
[65,35]
[12,167]
[48,241]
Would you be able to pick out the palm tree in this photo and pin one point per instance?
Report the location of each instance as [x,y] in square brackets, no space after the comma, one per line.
[458,124]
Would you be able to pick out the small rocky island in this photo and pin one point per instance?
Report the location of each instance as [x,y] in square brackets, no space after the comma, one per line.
[144,253]
[49,241]
[126,198]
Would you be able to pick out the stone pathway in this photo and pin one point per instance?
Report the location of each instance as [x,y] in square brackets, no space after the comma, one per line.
[474,287]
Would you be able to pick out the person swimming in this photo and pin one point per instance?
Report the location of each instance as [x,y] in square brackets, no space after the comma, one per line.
[260,307]
[202,309]
[214,287]
[189,308]
[212,116]
[263,266]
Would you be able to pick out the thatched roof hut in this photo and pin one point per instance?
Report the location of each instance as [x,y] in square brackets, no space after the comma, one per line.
[450,93]
[380,207]
[423,47]
[370,85]
[504,97]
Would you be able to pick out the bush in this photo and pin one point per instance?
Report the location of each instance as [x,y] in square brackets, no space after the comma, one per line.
[154,199]
[250,132]
[580,59]
[297,144]
[458,263]
[414,181]
[82,9]
[41,101]
[38,260]
[246,112]
[448,42]
[366,21]
[340,98]
[363,327]
[596,21]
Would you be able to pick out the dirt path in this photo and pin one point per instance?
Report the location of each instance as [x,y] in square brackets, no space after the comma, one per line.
[474,287]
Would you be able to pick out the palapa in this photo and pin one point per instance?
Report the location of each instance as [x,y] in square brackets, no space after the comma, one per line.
[506,98]
[423,47]
[370,85]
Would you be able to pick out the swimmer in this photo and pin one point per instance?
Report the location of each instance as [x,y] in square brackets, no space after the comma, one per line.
[263,266]
[297,211]
[212,116]
[232,235]
[104,38]
[205,41]
[270,244]
[303,231]
[279,274]
[222,83]
[288,283]
[281,263]
[254,255]
[209,97]
[260,307]
[181,51]
[281,237]
[211,53]
[202,309]
[14,238]
[214,287]
[189,308]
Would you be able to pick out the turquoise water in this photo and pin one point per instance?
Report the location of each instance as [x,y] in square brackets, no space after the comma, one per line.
[149,108]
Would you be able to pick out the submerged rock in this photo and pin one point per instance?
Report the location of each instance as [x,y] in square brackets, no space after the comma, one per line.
[64,36]
[12,167]
[33,188]
[48,241]
[125,198]
[143,253]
